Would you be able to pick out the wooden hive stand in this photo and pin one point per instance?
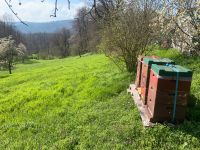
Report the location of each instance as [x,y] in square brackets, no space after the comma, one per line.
[144,113]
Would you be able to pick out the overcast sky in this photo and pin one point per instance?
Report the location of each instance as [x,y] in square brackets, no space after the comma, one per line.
[35,11]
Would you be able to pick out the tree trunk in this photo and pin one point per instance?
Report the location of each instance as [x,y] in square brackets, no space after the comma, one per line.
[10,67]
[79,53]
[23,60]
[130,65]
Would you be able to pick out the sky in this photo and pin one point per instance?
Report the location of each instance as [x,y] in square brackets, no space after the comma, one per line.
[36,11]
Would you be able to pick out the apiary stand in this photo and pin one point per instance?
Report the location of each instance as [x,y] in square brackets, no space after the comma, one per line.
[144,113]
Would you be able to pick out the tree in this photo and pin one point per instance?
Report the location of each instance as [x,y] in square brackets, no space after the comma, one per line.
[181,18]
[7,28]
[8,51]
[81,27]
[129,31]
[22,51]
[85,36]
[61,42]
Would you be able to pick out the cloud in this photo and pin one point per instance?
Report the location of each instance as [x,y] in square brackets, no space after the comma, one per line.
[35,11]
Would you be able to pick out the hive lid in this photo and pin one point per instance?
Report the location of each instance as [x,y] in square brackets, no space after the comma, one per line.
[141,57]
[163,70]
[159,61]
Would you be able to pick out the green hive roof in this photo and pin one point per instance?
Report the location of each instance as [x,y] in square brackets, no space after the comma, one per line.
[159,61]
[163,70]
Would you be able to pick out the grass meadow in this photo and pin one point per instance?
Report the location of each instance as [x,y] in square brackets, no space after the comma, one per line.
[82,103]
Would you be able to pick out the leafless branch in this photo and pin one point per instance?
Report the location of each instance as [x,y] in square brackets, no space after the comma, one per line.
[8,3]
[10,7]
[56,9]
[68,4]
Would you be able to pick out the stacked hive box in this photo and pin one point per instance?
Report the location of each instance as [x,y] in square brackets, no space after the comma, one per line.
[162,102]
[146,66]
[139,69]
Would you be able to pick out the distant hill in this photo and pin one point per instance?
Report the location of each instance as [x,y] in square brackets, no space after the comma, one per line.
[49,27]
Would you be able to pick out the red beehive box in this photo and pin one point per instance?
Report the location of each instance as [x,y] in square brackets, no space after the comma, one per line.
[146,66]
[139,69]
[161,93]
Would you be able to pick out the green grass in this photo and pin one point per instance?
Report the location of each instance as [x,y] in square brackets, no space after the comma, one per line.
[82,103]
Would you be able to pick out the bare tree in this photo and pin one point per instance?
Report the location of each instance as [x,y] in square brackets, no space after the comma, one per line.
[129,31]
[61,41]
[81,28]
[7,28]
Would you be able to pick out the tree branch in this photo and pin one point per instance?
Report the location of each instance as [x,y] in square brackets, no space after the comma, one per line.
[181,29]
[10,7]
[55,9]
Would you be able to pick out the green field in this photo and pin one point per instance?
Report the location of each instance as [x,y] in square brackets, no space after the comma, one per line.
[82,103]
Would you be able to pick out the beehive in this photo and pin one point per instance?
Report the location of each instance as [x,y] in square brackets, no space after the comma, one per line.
[146,66]
[162,90]
[139,69]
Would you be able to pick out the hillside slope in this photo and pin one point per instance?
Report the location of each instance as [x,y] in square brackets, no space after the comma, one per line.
[82,103]
[48,27]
